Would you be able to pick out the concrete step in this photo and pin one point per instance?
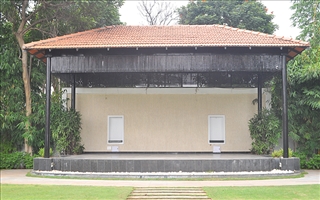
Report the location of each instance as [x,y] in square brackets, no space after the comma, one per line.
[168,193]
[167,197]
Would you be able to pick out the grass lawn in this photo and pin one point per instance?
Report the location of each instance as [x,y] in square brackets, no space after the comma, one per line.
[271,192]
[48,192]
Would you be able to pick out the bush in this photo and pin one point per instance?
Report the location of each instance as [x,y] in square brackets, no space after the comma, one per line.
[66,132]
[264,131]
[314,162]
[308,163]
[41,152]
[16,160]
[279,153]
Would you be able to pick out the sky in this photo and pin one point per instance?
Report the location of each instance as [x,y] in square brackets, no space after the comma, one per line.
[280,8]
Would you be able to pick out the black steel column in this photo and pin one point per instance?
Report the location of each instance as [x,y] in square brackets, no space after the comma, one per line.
[73,92]
[259,93]
[284,108]
[48,97]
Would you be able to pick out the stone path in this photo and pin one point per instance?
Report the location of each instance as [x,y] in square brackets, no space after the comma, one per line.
[172,193]
[18,176]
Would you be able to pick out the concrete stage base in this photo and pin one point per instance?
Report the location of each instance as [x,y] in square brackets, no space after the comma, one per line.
[142,163]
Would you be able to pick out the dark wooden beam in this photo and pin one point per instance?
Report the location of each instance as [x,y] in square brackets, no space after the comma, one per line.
[190,62]
[163,50]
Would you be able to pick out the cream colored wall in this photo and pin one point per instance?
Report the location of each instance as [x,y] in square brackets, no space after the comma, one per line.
[165,122]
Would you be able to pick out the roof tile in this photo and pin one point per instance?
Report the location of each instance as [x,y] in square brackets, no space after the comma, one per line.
[164,36]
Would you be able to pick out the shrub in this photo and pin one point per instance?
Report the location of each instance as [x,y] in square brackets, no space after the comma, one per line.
[264,131]
[66,134]
[16,160]
[306,162]
[41,152]
[314,162]
[279,153]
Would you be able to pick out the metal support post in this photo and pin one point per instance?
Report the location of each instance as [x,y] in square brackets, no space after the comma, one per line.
[73,92]
[48,102]
[259,93]
[284,109]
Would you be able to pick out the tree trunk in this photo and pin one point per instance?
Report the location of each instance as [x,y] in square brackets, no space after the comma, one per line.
[27,87]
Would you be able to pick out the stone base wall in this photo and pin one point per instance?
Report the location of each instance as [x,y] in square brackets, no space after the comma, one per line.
[217,165]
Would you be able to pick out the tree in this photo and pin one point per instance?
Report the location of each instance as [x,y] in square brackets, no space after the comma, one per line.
[157,13]
[34,20]
[250,15]
[304,81]
[307,18]
[11,92]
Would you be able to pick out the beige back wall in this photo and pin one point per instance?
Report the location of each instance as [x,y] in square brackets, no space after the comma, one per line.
[165,122]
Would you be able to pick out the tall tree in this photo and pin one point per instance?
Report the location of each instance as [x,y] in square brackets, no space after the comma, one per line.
[51,18]
[11,92]
[304,80]
[157,12]
[244,14]
[307,18]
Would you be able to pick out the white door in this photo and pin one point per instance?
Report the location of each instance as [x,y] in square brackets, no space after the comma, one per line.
[115,129]
[216,126]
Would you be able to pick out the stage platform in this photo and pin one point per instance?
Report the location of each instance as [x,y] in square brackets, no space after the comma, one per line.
[165,162]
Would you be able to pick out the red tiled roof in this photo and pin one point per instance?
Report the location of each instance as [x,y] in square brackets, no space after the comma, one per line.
[165,36]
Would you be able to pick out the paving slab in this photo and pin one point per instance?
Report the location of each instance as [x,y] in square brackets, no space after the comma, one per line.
[19,177]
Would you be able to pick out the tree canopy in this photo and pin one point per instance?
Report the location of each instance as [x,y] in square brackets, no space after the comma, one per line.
[157,12]
[304,81]
[307,18]
[250,15]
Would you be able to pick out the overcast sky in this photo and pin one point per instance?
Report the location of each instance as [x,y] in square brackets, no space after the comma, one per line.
[281,9]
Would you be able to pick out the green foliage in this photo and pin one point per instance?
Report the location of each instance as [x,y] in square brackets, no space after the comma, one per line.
[303,83]
[16,160]
[41,152]
[279,153]
[304,101]
[308,162]
[314,162]
[250,15]
[307,18]
[74,16]
[66,132]
[303,104]
[264,131]
[11,92]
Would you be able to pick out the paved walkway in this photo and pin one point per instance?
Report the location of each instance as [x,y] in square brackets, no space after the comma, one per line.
[19,177]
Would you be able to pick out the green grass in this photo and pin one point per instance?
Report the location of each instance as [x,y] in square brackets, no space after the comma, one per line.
[307,192]
[48,192]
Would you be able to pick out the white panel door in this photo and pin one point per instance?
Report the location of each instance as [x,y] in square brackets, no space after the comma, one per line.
[216,126]
[115,129]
